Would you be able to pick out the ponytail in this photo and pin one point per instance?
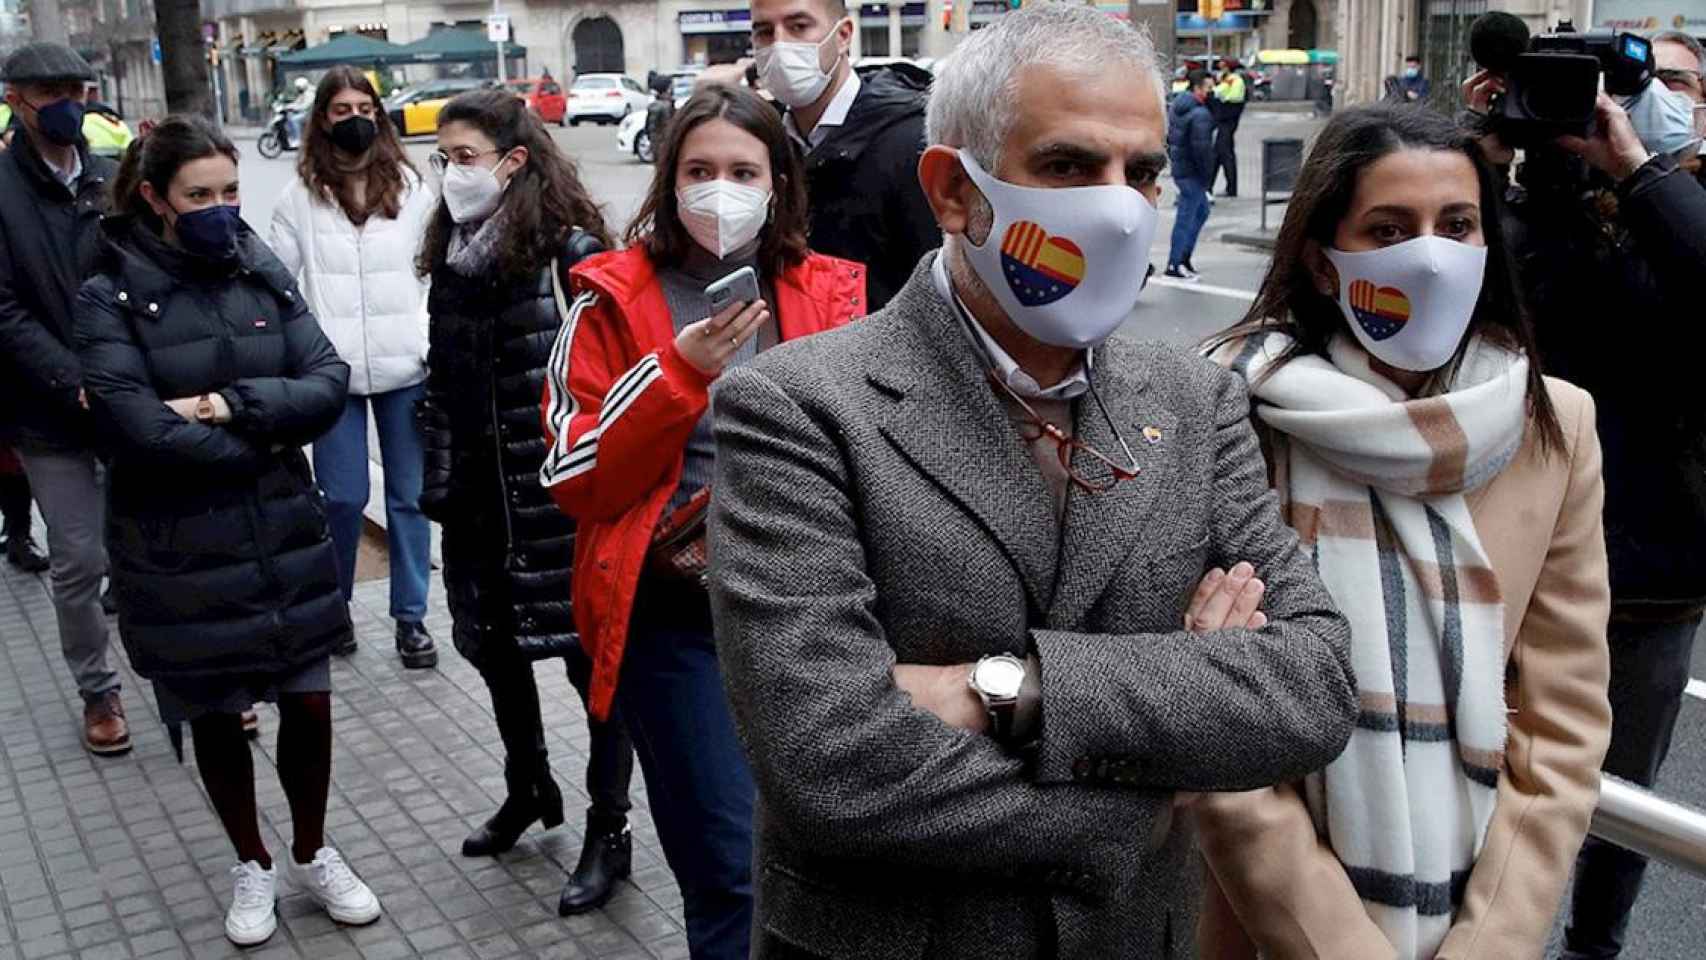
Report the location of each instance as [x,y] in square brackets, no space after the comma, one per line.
[156,156]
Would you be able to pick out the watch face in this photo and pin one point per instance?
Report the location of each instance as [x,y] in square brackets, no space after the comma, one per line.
[999,677]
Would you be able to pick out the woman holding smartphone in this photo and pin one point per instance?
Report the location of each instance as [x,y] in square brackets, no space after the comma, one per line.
[513,220]
[631,455]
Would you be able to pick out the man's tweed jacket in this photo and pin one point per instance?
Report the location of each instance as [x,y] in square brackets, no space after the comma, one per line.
[875,505]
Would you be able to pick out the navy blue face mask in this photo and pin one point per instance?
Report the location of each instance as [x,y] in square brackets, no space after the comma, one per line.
[61,121]
[210,232]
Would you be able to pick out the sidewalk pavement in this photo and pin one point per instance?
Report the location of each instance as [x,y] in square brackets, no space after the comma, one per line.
[123,857]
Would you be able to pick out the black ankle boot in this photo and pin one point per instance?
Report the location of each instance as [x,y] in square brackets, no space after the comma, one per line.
[606,860]
[536,800]
[415,646]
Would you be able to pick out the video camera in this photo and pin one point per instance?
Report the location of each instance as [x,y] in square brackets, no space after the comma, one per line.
[1552,80]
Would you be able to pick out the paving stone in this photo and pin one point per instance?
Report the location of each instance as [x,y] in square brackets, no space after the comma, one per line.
[124,858]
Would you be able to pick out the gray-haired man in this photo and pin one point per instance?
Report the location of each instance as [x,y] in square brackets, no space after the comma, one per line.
[952,547]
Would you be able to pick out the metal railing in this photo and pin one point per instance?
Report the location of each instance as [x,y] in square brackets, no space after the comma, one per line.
[1632,817]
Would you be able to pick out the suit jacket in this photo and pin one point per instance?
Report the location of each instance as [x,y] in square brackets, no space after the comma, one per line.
[1540,524]
[875,505]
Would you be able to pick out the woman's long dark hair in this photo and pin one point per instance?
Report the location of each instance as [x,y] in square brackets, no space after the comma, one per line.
[1350,143]
[156,157]
[544,199]
[331,175]
[658,225]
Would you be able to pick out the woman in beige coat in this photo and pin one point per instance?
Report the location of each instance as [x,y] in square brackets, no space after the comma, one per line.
[1451,498]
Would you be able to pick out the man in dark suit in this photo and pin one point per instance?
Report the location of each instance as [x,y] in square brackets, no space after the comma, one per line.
[953,546]
[860,133]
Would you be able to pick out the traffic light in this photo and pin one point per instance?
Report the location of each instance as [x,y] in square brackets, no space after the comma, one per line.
[1211,9]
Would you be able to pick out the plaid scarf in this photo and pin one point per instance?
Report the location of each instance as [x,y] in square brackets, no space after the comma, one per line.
[1373,482]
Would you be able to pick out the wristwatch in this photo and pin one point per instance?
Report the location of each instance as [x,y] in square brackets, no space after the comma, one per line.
[205,411]
[996,681]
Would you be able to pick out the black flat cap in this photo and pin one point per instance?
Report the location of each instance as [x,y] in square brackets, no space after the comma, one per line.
[45,63]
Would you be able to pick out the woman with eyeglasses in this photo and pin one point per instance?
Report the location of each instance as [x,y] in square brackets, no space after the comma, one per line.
[206,375]
[514,219]
[348,228]
[715,271]
[1450,497]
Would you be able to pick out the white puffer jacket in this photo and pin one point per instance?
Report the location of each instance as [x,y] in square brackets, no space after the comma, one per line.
[360,282]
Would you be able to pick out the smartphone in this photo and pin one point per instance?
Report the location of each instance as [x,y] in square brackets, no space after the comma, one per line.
[738,287]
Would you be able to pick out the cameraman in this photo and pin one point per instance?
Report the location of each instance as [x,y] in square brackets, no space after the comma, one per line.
[1610,240]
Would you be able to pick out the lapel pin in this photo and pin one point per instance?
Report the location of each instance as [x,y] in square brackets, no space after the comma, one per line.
[1151,435]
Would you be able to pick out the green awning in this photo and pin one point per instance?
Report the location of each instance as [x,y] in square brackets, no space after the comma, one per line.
[456,46]
[350,48]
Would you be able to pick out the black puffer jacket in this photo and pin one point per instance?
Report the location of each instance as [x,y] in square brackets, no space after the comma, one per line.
[866,204]
[220,552]
[1615,306]
[49,235]
[508,550]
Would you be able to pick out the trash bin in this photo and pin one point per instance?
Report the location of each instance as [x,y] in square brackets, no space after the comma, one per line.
[1282,158]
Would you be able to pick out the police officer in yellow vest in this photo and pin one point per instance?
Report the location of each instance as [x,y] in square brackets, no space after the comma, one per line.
[106,131]
[1229,96]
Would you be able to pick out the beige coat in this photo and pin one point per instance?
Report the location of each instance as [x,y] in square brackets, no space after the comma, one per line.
[1540,523]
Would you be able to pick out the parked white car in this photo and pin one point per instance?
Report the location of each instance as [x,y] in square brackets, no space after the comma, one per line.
[631,136]
[605,97]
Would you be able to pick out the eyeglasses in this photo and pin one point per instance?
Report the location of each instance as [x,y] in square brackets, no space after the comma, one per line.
[1035,428]
[440,161]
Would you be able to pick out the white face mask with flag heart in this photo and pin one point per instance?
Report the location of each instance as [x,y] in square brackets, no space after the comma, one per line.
[1065,264]
[1409,304]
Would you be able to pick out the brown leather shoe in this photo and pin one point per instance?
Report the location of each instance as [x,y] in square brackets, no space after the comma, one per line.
[105,731]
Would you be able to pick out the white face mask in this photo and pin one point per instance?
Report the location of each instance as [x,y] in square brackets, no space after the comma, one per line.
[471,192]
[1409,304]
[723,216]
[1066,265]
[793,72]
[1663,119]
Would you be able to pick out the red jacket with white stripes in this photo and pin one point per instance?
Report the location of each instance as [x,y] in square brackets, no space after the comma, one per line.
[620,403]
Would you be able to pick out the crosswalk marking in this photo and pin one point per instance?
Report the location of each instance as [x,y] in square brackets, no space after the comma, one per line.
[1208,288]
[1697,689]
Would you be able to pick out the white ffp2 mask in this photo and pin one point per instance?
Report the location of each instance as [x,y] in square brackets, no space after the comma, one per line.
[471,192]
[1409,304]
[1066,264]
[793,72]
[722,216]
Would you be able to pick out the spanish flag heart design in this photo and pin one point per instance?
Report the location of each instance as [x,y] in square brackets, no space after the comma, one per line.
[1040,268]
[1382,311]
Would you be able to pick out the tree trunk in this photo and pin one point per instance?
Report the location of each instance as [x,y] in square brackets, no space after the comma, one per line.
[183,59]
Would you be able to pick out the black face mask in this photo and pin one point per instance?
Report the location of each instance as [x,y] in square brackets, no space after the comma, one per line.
[61,121]
[210,232]
[353,135]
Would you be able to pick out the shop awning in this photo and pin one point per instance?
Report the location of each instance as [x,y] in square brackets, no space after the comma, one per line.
[351,48]
[455,46]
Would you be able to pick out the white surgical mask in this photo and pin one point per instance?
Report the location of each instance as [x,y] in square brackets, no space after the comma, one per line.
[793,72]
[1662,118]
[1066,265]
[471,192]
[1409,304]
[723,216]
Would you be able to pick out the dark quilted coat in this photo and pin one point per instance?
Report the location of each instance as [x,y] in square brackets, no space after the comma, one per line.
[220,555]
[508,550]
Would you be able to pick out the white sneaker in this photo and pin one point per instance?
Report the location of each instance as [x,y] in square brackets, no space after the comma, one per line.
[251,919]
[331,882]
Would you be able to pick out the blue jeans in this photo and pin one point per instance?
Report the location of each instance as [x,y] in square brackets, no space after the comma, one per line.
[1188,219]
[701,791]
[340,465]
[1649,672]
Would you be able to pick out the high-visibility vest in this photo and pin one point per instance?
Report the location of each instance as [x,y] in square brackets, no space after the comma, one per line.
[107,137]
[1231,90]
[5,115]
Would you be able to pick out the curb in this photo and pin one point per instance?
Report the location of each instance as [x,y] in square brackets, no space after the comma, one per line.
[1255,239]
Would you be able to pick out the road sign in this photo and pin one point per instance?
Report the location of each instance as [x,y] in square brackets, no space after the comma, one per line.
[497,28]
